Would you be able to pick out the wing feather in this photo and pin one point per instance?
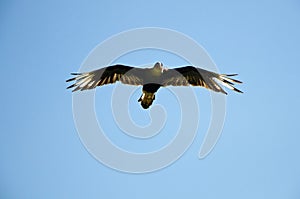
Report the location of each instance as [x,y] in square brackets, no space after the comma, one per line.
[190,75]
[107,75]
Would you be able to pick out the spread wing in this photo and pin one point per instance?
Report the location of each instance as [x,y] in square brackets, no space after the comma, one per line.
[107,75]
[190,75]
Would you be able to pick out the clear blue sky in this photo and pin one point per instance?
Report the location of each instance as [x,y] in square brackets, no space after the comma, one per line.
[257,156]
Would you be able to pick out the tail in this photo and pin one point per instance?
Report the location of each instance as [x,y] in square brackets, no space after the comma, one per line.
[146,99]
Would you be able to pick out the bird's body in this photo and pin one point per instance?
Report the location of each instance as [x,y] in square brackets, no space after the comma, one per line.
[152,79]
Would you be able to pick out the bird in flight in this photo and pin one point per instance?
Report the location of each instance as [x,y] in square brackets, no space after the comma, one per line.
[152,79]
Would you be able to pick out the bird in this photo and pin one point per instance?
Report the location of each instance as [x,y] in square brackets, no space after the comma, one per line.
[151,79]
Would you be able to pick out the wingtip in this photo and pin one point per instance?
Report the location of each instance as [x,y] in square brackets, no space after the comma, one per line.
[230,75]
[76,73]
[70,86]
[71,79]
[227,77]
[237,90]
[238,81]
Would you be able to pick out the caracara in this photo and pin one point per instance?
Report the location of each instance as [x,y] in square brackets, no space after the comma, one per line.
[152,79]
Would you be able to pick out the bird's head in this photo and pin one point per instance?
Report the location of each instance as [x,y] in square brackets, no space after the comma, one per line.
[158,67]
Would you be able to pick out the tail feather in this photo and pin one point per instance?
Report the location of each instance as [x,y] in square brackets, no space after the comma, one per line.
[147,99]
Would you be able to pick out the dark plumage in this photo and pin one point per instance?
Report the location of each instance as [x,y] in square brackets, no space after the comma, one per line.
[152,79]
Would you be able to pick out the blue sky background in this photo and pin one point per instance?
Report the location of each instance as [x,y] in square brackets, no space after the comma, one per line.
[257,156]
